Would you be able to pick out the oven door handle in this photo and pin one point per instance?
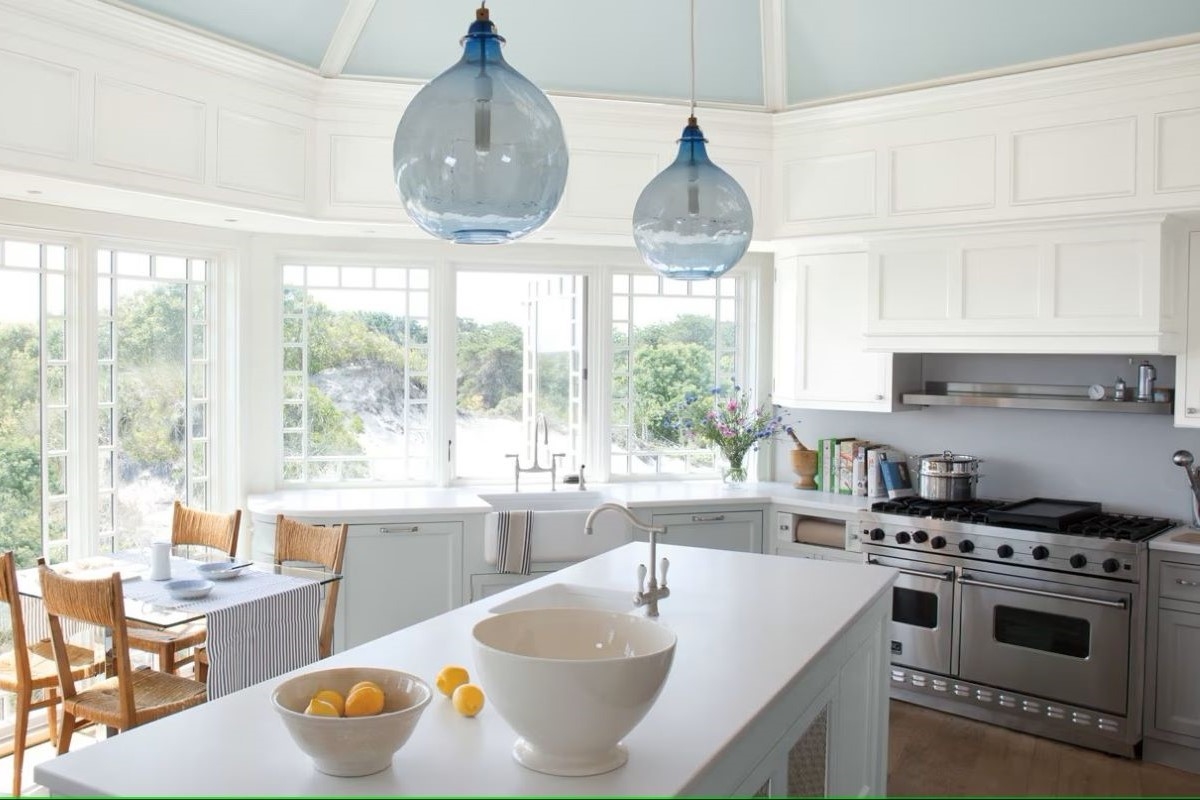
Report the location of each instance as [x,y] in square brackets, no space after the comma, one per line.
[967,580]
[937,576]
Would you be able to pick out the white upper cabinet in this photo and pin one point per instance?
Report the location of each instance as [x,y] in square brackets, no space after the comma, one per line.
[819,319]
[1187,366]
[1102,287]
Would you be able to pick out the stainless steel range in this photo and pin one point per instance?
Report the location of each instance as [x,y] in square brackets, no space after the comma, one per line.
[1029,615]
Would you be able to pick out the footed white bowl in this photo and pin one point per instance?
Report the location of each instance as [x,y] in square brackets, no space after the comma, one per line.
[572,682]
[348,747]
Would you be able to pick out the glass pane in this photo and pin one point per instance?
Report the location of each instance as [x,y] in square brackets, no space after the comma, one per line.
[104,261]
[56,339]
[293,300]
[170,267]
[104,301]
[356,277]
[914,608]
[325,471]
[418,304]
[293,330]
[1038,630]
[620,284]
[56,475]
[199,381]
[199,268]
[105,516]
[56,429]
[293,275]
[199,341]
[322,276]
[56,385]
[104,427]
[356,470]
[104,340]
[645,284]
[56,295]
[104,383]
[390,278]
[418,278]
[200,420]
[293,444]
[133,264]
[293,415]
[199,495]
[56,553]
[293,471]
[199,459]
[55,255]
[22,254]
[293,387]
[293,359]
[56,520]
[620,309]
[106,469]
[198,304]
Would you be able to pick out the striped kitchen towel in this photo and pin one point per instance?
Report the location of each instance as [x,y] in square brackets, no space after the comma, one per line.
[251,642]
[513,532]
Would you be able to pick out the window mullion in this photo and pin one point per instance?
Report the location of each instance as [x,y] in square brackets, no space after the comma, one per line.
[83,380]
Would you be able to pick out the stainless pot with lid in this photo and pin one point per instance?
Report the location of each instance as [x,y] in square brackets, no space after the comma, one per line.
[946,476]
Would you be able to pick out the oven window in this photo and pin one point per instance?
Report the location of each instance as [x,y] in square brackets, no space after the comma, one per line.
[914,608]
[1037,630]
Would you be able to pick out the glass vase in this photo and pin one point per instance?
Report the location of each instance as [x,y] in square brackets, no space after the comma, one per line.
[734,474]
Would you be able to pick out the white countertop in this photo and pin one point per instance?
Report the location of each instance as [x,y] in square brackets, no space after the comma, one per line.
[1177,541]
[366,503]
[748,625]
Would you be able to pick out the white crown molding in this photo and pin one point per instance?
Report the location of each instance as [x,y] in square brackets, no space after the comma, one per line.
[1101,70]
[143,33]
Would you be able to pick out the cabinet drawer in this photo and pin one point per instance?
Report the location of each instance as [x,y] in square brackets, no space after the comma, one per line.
[405,528]
[1179,581]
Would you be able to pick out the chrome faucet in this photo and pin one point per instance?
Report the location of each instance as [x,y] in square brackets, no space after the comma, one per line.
[542,422]
[655,591]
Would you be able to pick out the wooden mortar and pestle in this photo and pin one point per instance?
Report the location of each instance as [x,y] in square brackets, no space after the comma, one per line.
[804,463]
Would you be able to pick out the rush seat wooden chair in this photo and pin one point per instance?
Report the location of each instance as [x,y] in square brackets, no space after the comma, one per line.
[27,668]
[310,544]
[131,697]
[189,526]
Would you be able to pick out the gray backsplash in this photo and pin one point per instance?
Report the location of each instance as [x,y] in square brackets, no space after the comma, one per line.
[1122,460]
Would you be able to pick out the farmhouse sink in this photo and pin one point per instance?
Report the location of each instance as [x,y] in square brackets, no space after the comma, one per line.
[566,500]
[558,519]
[569,595]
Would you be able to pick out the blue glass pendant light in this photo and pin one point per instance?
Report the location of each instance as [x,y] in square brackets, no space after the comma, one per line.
[692,221]
[479,154]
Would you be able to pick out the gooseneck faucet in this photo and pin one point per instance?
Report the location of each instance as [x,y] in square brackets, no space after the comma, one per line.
[544,424]
[655,591]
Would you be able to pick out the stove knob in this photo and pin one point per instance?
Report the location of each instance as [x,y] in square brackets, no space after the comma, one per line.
[1079,561]
[902,537]
[876,534]
[1040,553]
[1111,565]
[937,543]
[1004,551]
[920,536]
[966,546]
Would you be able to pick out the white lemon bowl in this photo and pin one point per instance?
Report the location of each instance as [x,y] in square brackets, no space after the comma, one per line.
[351,746]
[572,682]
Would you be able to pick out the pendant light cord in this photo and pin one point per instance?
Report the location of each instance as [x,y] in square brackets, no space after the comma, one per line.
[693,48]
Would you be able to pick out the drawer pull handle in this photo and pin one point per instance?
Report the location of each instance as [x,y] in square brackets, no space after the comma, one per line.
[401,529]
[713,518]
[1182,582]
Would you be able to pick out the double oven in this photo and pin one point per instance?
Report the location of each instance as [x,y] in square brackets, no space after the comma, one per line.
[1034,630]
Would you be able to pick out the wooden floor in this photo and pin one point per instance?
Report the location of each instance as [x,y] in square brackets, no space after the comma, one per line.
[931,753]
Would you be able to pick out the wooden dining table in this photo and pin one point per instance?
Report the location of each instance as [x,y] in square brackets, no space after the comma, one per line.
[262,622]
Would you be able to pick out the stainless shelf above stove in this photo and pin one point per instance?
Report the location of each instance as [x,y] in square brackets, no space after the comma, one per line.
[1015,395]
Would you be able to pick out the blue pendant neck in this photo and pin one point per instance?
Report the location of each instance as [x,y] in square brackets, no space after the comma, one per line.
[691,143]
[482,43]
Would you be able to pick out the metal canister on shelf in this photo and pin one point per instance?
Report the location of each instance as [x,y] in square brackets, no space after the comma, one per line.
[1119,389]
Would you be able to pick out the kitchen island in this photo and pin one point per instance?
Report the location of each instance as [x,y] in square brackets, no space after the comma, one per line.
[767,645]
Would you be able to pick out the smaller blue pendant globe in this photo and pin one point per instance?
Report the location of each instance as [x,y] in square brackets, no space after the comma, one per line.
[479,155]
[693,221]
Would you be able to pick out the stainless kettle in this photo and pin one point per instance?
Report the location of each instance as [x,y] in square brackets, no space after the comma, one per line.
[1146,377]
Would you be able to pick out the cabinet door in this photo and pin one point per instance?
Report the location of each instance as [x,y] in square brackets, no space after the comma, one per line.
[719,530]
[1177,697]
[490,583]
[1187,366]
[820,319]
[398,574]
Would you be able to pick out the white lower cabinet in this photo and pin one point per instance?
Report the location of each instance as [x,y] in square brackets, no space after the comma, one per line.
[716,528]
[490,583]
[1177,696]
[398,574]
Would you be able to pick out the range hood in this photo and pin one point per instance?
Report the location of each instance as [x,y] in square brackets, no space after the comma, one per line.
[1015,395]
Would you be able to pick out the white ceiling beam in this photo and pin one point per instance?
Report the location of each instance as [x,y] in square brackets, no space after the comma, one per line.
[774,54]
[345,36]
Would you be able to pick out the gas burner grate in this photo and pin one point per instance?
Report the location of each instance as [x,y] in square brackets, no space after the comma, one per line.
[954,511]
[1124,527]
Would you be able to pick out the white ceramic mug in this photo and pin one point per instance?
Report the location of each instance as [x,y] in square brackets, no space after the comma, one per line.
[160,561]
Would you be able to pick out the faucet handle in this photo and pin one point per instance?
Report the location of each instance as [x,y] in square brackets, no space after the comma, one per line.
[641,579]
[663,580]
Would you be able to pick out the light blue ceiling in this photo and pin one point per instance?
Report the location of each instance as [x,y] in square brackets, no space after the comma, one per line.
[639,48]
[839,47]
[622,47]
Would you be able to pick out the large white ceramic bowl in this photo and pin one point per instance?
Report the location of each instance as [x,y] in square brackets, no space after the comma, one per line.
[572,682]
[352,746]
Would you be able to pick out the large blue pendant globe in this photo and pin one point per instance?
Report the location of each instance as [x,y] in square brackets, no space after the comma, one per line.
[479,154]
[693,221]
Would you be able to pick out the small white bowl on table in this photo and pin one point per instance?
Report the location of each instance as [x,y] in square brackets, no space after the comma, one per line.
[219,570]
[188,588]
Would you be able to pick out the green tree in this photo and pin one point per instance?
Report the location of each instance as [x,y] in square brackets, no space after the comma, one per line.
[20,443]
[662,376]
[490,358]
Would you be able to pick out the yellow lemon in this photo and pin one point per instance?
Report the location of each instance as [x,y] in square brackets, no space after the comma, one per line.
[332,698]
[321,708]
[365,700]
[361,684]
[450,678]
[468,699]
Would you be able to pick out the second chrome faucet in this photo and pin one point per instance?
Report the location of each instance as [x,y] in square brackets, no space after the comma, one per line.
[656,591]
[544,424]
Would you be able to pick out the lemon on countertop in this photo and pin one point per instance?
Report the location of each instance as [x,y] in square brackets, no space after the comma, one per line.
[468,699]
[450,678]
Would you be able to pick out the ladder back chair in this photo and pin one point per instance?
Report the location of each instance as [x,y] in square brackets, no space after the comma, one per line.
[189,526]
[27,668]
[131,697]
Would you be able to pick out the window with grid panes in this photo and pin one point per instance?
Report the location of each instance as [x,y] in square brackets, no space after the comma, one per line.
[153,373]
[669,338]
[355,374]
